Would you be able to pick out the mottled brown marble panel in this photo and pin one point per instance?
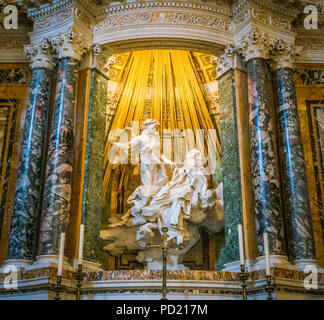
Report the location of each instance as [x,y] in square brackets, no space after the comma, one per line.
[245,163]
[304,93]
[82,108]
[20,92]
[157,275]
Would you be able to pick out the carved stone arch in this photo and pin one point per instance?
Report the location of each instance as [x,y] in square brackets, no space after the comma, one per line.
[163,43]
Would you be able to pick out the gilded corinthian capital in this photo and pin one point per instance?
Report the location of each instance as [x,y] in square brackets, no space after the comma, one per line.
[283,53]
[70,44]
[225,61]
[102,59]
[255,45]
[40,54]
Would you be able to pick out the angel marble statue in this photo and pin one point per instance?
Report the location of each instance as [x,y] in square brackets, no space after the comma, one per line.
[183,205]
[148,142]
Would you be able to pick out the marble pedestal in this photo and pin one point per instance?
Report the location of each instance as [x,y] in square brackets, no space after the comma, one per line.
[235,266]
[49,261]
[142,285]
[88,266]
[276,261]
[18,263]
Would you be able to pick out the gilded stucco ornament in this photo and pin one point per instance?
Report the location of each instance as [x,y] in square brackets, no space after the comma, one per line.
[70,44]
[40,55]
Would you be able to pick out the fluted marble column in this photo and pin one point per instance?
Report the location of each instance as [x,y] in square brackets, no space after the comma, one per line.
[94,171]
[298,215]
[265,169]
[57,191]
[22,241]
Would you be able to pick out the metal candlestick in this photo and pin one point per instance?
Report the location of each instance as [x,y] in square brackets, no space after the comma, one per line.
[164,246]
[78,277]
[58,288]
[244,277]
[269,287]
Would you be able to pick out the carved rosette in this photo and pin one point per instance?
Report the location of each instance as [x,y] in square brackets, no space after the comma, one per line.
[103,60]
[70,44]
[282,54]
[254,45]
[40,55]
[225,61]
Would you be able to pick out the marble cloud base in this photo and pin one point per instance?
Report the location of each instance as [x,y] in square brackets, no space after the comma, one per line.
[137,284]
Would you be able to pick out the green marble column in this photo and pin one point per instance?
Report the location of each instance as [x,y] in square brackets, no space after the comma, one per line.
[92,193]
[94,170]
[230,166]
[233,206]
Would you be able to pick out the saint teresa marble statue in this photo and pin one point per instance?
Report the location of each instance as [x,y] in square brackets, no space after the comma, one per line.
[183,205]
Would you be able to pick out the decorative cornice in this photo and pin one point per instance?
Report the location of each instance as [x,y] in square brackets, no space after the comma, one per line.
[102,59]
[40,55]
[225,61]
[220,9]
[70,44]
[166,17]
[311,42]
[283,53]
[62,17]
[261,16]
[57,6]
[56,19]
[254,45]
[279,9]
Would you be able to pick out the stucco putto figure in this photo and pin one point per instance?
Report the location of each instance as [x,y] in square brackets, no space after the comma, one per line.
[183,205]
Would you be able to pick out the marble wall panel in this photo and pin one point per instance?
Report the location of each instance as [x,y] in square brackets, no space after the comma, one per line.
[310,91]
[19,92]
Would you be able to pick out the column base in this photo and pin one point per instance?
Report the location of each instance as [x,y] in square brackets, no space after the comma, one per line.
[235,266]
[276,261]
[47,261]
[88,266]
[18,263]
[301,264]
[91,266]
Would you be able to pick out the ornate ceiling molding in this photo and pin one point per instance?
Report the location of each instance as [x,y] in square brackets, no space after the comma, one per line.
[40,55]
[212,22]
